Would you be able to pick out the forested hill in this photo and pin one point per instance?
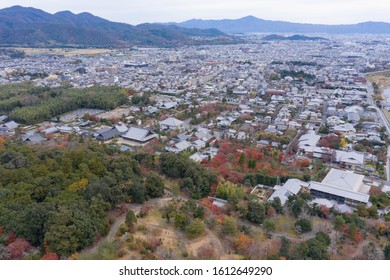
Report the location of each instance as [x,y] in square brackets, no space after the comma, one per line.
[32,27]
[57,199]
[28,104]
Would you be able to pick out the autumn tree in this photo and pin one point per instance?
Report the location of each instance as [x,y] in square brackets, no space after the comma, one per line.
[50,256]
[242,242]
[18,248]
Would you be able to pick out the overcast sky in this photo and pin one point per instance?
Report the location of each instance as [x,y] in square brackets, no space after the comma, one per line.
[139,11]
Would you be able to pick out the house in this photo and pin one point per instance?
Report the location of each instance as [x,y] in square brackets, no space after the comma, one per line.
[33,138]
[139,134]
[291,187]
[50,130]
[179,147]
[350,160]
[308,141]
[106,134]
[345,187]
[151,110]
[167,105]
[199,144]
[3,118]
[122,128]
[172,124]
[9,126]
[180,137]
[345,129]
[65,129]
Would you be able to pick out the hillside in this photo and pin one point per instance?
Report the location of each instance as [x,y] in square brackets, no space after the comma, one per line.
[274,37]
[253,24]
[33,27]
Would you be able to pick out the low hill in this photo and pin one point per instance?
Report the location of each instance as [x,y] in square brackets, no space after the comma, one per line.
[33,27]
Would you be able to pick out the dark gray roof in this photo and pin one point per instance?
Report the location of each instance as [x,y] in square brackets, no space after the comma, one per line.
[139,134]
[33,138]
[108,134]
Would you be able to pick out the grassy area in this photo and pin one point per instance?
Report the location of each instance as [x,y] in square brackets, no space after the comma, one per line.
[106,251]
[285,224]
[62,51]
[172,185]
[381,79]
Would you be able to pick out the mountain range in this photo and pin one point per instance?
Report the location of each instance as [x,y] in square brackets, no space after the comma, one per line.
[33,27]
[253,24]
[20,26]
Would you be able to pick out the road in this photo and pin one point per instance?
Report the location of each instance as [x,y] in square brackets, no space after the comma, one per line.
[385,122]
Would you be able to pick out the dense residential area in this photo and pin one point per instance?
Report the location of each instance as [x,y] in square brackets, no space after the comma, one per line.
[270,149]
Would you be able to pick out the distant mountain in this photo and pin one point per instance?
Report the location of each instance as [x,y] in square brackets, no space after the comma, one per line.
[274,37]
[253,24]
[33,27]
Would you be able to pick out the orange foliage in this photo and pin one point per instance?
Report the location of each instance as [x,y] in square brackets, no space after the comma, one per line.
[303,162]
[381,227]
[50,256]
[2,142]
[253,154]
[271,212]
[11,237]
[208,203]
[359,237]
[243,241]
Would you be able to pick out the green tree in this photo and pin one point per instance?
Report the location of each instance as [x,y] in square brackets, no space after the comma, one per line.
[241,160]
[269,225]
[231,192]
[285,247]
[362,211]
[386,251]
[323,238]
[195,228]
[277,205]
[338,222]
[181,220]
[130,218]
[154,185]
[137,193]
[69,230]
[229,226]
[256,212]
[303,225]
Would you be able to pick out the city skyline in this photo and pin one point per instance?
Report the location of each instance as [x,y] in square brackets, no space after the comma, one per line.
[302,11]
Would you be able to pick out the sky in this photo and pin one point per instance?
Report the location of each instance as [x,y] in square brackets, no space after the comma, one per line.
[140,11]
